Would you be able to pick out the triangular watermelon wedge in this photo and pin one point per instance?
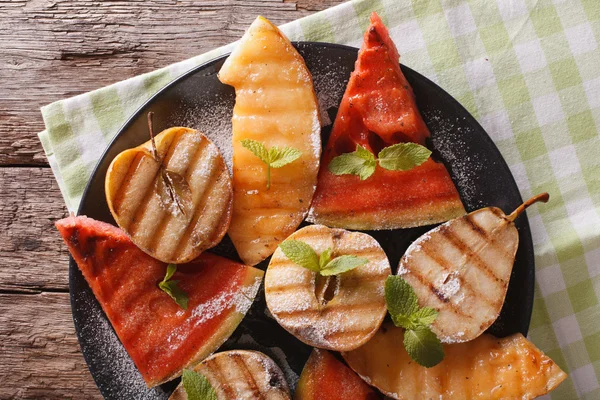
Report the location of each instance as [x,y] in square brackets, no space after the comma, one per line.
[160,336]
[378,110]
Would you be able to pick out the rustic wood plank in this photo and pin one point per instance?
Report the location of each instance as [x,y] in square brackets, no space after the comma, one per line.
[32,253]
[53,49]
[39,353]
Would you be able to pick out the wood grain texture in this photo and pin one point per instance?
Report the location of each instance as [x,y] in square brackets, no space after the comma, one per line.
[32,254]
[39,353]
[53,49]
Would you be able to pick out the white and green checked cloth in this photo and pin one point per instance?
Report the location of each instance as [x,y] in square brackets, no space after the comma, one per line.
[528,70]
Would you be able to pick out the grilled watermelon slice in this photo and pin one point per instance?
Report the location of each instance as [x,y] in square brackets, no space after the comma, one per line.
[324,377]
[160,336]
[378,110]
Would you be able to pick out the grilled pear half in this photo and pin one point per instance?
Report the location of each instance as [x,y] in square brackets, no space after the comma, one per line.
[462,269]
[174,203]
[276,105]
[241,374]
[335,313]
[485,368]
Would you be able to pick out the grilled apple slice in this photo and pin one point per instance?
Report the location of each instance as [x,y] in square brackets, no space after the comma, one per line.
[173,205]
[350,307]
[241,374]
[462,269]
[277,106]
[485,368]
[324,377]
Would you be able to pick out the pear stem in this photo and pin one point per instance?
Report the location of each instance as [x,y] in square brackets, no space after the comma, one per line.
[150,130]
[543,197]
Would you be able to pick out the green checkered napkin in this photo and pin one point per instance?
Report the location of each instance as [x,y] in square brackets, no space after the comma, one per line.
[528,70]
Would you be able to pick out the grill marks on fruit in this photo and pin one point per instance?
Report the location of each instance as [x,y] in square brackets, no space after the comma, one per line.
[439,259]
[379,109]
[120,196]
[152,218]
[276,105]
[424,283]
[248,377]
[213,365]
[486,367]
[159,336]
[342,318]
[452,236]
[198,210]
[241,374]
[471,254]
[153,239]
[337,310]
[190,238]
[463,268]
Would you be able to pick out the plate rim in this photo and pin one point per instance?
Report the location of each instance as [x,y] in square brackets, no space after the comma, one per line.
[121,131]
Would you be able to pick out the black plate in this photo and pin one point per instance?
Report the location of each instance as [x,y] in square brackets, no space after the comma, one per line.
[199,100]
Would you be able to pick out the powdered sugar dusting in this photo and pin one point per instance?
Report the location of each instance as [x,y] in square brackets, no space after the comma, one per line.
[244,299]
[448,139]
[247,341]
[119,379]
[414,247]
[450,286]
[240,300]
[330,84]
[213,119]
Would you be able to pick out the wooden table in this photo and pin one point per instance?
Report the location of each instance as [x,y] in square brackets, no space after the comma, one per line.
[50,50]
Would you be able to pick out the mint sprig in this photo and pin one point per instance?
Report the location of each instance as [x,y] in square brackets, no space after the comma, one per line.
[172,289]
[304,255]
[197,387]
[275,157]
[421,344]
[397,157]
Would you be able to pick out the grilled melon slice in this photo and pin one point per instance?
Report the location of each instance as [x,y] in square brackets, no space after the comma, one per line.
[354,312]
[241,374]
[171,230]
[276,105]
[462,269]
[485,368]
[324,377]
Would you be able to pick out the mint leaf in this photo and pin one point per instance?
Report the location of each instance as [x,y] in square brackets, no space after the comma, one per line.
[360,162]
[324,258]
[425,316]
[400,297]
[397,157]
[364,153]
[274,157]
[175,292]
[423,346]
[280,157]
[404,321]
[304,255]
[257,148]
[403,156]
[172,289]
[197,387]
[343,264]
[171,268]
[301,254]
